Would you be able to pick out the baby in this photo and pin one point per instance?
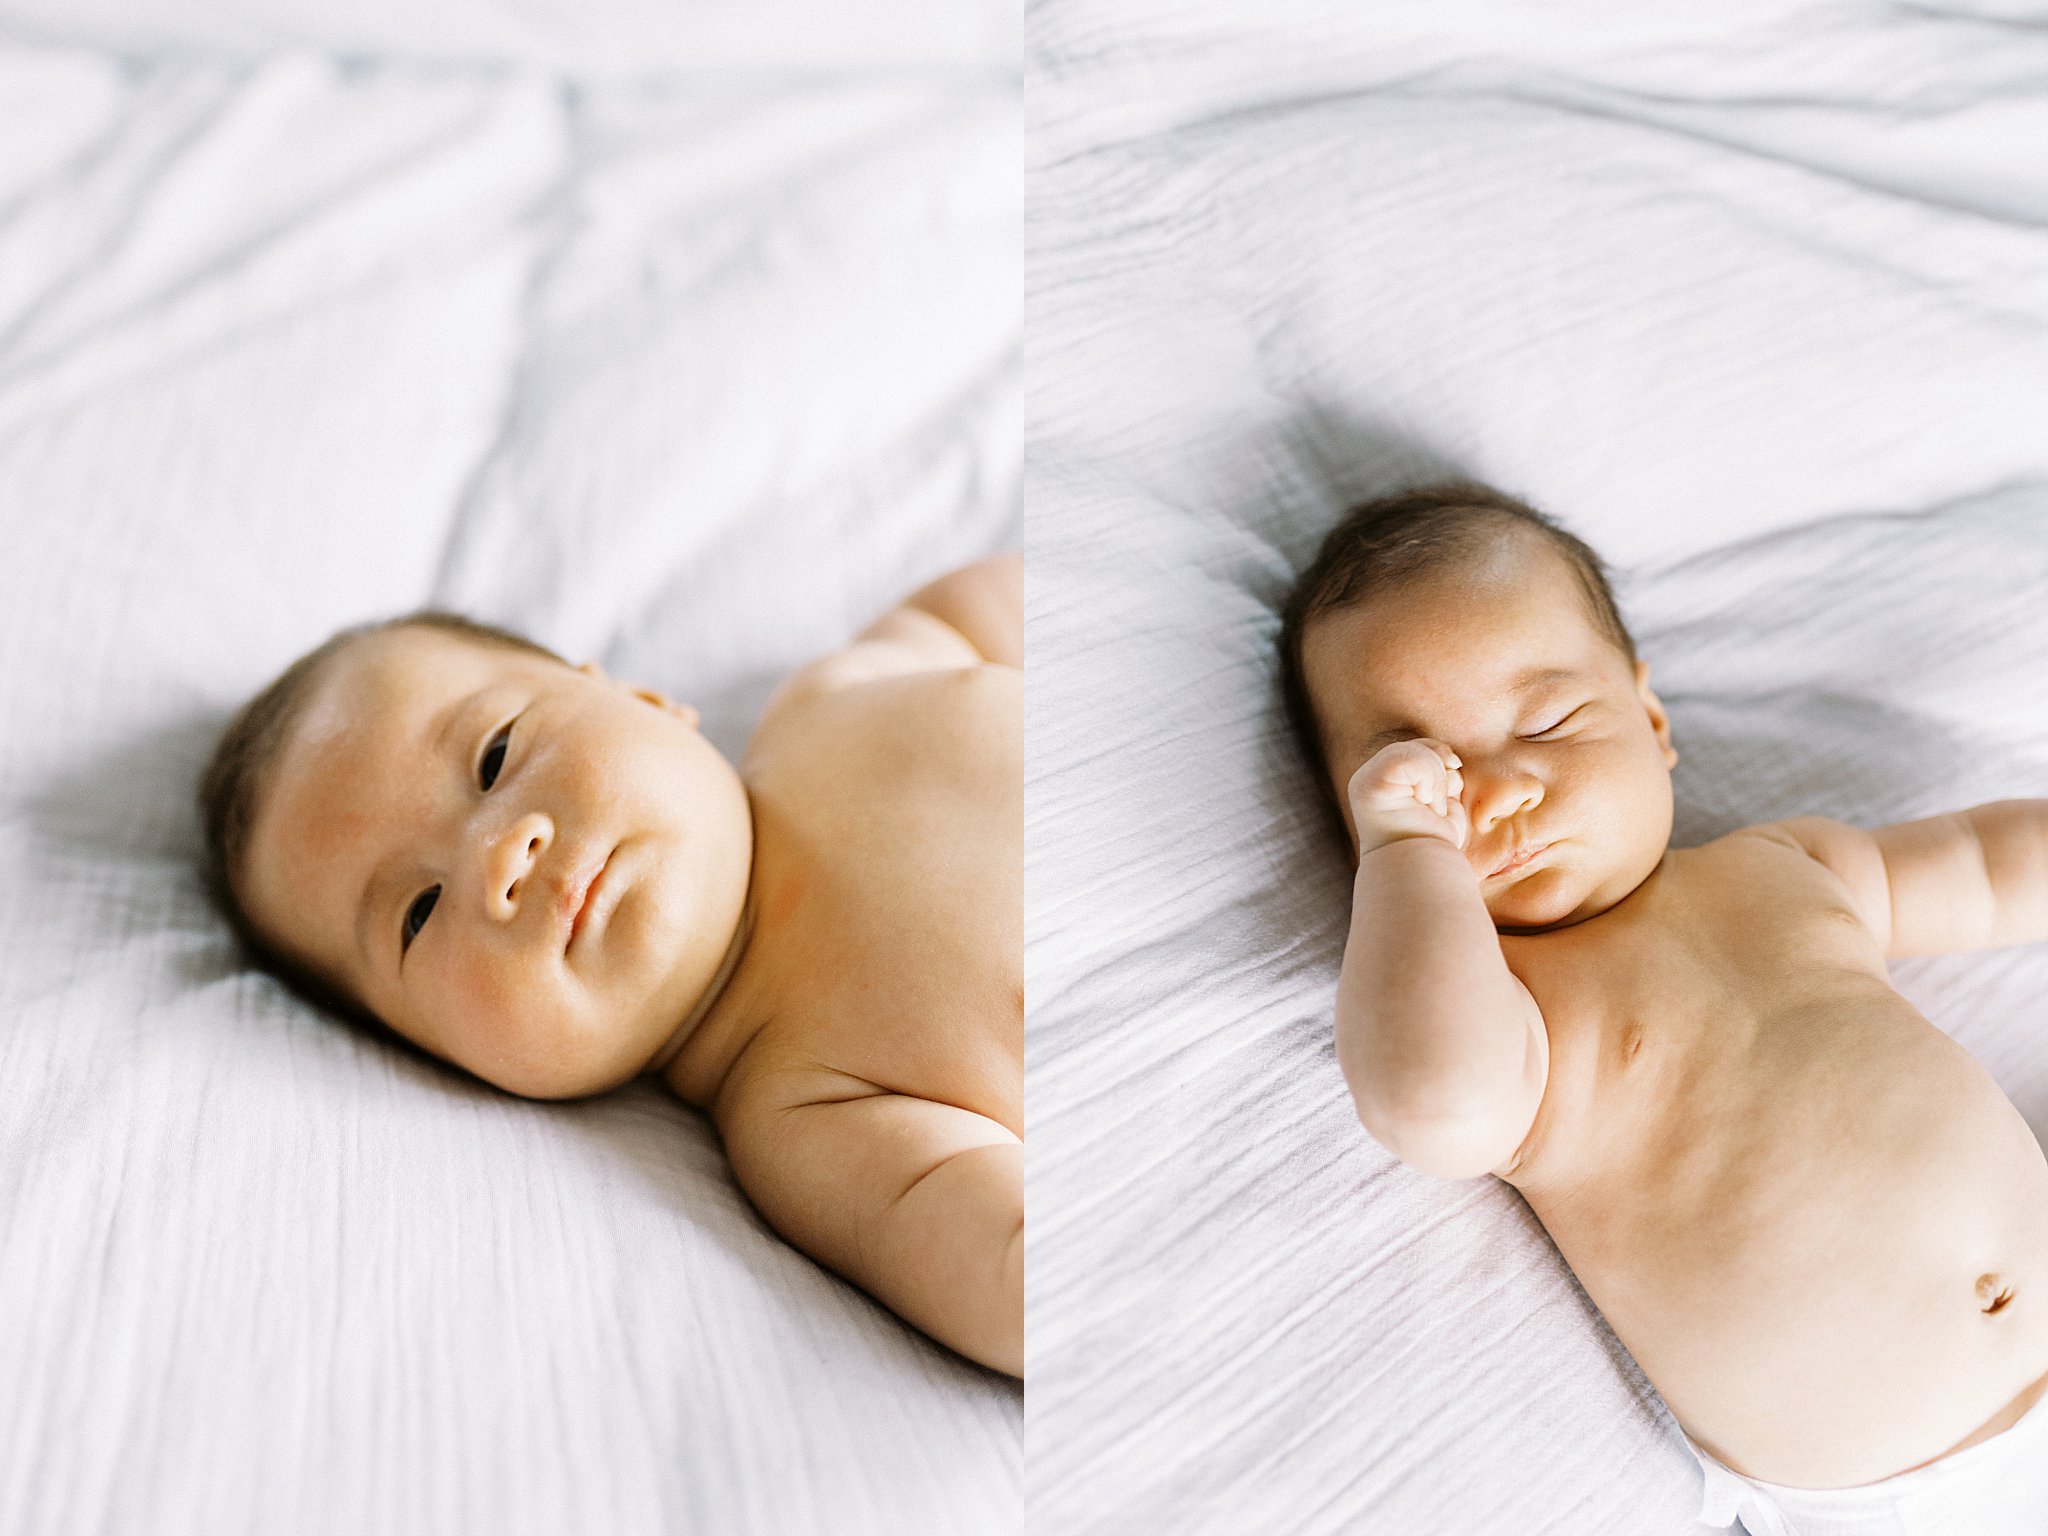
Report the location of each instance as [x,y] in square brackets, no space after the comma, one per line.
[1814,1219]
[550,878]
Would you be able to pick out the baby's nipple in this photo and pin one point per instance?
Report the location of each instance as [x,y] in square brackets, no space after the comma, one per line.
[1993,1293]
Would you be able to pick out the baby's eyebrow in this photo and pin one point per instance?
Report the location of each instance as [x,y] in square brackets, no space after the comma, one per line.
[1527,681]
[1386,738]
[451,717]
[364,906]
[1541,677]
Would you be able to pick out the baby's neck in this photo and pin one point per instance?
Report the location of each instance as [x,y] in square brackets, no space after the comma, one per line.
[675,1062]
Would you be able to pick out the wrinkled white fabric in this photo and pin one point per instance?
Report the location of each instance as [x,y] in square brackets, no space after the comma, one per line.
[594,38]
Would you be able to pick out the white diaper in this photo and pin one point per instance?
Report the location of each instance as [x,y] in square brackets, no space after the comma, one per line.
[1996,1488]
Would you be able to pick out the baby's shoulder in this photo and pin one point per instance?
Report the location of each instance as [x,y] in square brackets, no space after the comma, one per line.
[904,642]
[1843,864]
[1846,851]
[882,691]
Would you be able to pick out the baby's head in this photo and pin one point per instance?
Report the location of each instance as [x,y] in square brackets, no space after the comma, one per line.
[408,821]
[1457,613]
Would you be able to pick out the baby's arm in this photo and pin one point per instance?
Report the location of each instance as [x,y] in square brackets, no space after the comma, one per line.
[1974,879]
[1442,1045]
[918,1203]
[979,611]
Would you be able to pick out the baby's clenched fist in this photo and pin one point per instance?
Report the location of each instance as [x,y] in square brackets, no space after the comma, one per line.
[1409,789]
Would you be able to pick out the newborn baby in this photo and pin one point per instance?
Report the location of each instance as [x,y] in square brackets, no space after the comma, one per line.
[550,878]
[1813,1218]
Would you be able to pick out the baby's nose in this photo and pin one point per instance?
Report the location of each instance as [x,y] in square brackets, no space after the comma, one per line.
[510,862]
[1494,800]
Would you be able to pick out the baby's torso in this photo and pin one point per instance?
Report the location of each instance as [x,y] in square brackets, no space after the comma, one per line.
[889,891]
[1814,1219]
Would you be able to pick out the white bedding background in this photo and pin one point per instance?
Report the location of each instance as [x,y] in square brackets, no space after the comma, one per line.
[1755,297]
[689,357]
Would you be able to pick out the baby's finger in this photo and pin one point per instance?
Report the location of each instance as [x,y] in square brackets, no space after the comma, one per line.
[1417,770]
[1429,784]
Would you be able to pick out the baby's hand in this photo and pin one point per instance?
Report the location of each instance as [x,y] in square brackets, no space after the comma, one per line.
[1409,789]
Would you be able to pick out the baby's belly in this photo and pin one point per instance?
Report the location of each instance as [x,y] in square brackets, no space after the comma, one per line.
[1826,1245]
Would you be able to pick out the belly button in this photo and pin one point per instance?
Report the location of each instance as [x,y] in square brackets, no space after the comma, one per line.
[1993,1293]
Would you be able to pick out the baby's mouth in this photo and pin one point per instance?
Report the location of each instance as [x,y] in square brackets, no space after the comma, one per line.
[1519,858]
[579,899]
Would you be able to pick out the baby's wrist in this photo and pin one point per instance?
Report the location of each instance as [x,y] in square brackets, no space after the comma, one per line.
[1373,839]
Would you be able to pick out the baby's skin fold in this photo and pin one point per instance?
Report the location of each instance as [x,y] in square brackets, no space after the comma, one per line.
[1812,1217]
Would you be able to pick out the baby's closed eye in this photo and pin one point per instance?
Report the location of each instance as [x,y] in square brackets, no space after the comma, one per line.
[1558,723]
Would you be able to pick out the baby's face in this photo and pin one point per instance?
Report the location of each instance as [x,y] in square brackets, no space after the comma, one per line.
[429,833]
[1564,747]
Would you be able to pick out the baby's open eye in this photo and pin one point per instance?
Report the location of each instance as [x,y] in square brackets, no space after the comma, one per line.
[417,914]
[494,757]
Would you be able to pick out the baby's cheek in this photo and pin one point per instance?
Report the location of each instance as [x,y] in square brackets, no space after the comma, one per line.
[478,1005]
[526,1035]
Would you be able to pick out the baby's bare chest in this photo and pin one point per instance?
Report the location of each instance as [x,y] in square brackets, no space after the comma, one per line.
[1735,983]
[889,870]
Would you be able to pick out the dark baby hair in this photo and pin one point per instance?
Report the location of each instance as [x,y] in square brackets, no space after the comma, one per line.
[232,788]
[1379,544]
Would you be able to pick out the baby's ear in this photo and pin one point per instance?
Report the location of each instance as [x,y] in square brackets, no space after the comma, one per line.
[1660,718]
[682,712]
[662,701]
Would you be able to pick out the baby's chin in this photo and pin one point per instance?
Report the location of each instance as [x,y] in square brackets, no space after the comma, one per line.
[1559,895]
[1543,899]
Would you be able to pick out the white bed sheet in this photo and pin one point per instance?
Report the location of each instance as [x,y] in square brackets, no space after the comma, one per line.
[692,377]
[589,38]
[1755,297]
